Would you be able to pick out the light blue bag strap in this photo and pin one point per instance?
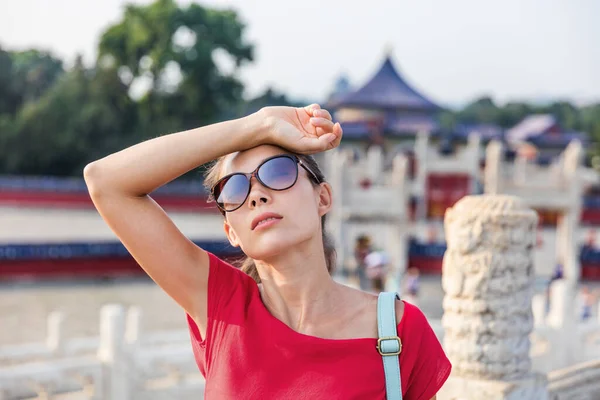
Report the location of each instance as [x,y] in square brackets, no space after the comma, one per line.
[389,344]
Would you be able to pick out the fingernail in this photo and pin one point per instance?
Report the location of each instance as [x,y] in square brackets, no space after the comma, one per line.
[313,120]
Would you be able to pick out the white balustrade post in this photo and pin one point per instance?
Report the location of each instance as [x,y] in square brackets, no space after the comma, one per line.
[562,318]
[338,162]
[401,231]
[117,374]
[133,325]
[520,176]
[54,336]
[374,163]
[493,163]
[538,306]
[488,276]
[472,152]
[421,151]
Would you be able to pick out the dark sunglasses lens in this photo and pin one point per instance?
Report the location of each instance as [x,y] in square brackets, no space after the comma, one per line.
[279,173]
[231,193]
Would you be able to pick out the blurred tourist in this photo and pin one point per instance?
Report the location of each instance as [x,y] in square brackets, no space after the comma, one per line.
[362,249]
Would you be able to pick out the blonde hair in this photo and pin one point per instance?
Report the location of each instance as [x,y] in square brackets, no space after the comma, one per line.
[247,264]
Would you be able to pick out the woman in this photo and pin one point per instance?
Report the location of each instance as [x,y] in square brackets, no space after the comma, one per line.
[285,330]
[377,269]
[362,249]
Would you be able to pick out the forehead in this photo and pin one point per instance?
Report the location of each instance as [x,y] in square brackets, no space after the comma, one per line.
[247,161]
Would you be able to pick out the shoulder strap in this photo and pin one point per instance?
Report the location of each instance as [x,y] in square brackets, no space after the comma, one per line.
[389,344]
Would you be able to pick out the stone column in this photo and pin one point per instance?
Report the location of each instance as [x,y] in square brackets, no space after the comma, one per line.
[336,164]
[487,277]
[117,374]
[421,150]
[493,166]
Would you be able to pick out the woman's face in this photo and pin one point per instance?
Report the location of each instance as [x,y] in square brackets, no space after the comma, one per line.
[296,211]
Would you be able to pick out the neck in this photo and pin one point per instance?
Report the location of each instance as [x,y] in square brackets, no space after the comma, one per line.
[297,288]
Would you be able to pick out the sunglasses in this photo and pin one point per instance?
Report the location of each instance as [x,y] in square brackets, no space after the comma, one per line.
[276,173]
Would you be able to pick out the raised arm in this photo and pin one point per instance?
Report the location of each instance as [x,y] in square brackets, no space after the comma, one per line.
[119,185]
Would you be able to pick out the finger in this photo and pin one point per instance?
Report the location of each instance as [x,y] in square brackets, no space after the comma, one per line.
[326,141]
[337,129]
[322,113]
[338,132]
[310,109]
[322,123]
[315,145]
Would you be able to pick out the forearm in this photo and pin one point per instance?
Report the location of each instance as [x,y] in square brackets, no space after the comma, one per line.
[144,167]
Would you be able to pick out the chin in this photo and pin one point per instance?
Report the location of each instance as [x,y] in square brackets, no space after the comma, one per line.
[271,244]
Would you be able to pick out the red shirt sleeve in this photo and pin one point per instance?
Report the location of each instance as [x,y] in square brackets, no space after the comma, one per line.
[423,358]
[227,295]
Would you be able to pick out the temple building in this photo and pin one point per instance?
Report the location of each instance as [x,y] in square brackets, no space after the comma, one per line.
[385,109]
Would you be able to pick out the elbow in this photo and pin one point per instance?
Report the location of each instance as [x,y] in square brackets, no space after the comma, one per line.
[88,171]
[92,178]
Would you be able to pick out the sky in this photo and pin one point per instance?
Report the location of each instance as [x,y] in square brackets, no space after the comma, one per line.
[451,51]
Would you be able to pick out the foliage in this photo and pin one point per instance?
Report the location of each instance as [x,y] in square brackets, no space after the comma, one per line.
[175,50]
[571,118]
[54,122]
[163,68]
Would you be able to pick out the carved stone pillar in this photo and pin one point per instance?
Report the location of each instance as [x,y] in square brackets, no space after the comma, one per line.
[488,279]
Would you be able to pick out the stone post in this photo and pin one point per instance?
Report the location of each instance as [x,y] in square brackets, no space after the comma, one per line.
[338,162]
[55,337]
[374,163]
[493,168]
[118,377]
[421,150]
[401,231]
[488,276]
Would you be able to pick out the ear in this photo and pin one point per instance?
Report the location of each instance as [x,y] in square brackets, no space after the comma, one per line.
[231,235]
[325,198]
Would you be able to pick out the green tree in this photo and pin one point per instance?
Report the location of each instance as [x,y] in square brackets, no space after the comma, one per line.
[514,112]
[84,116]
[175,49]
[25,76]
[482,110]
[566,114]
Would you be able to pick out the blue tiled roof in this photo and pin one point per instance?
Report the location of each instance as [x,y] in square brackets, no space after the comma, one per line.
[356,130]
[408,125]
[386,90]
[561,140]
[412,124]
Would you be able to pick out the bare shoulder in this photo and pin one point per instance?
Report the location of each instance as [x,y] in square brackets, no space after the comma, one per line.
[366,301]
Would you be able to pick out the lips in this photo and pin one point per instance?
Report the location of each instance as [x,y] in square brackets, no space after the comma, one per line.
[263,217]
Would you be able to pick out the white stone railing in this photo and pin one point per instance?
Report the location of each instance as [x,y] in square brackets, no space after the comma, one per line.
[375,201]
[581,382]
[120,364]
[557,341]
[125,363]
[559,338]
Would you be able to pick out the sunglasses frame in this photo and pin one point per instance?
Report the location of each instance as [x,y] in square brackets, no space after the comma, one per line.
[254,173]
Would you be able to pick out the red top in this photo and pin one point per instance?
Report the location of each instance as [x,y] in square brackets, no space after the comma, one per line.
[250,354]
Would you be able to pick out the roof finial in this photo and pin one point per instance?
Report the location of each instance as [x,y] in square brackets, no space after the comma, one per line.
[389,49]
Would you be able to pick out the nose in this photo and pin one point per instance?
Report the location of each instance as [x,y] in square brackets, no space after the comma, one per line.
[258,194]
